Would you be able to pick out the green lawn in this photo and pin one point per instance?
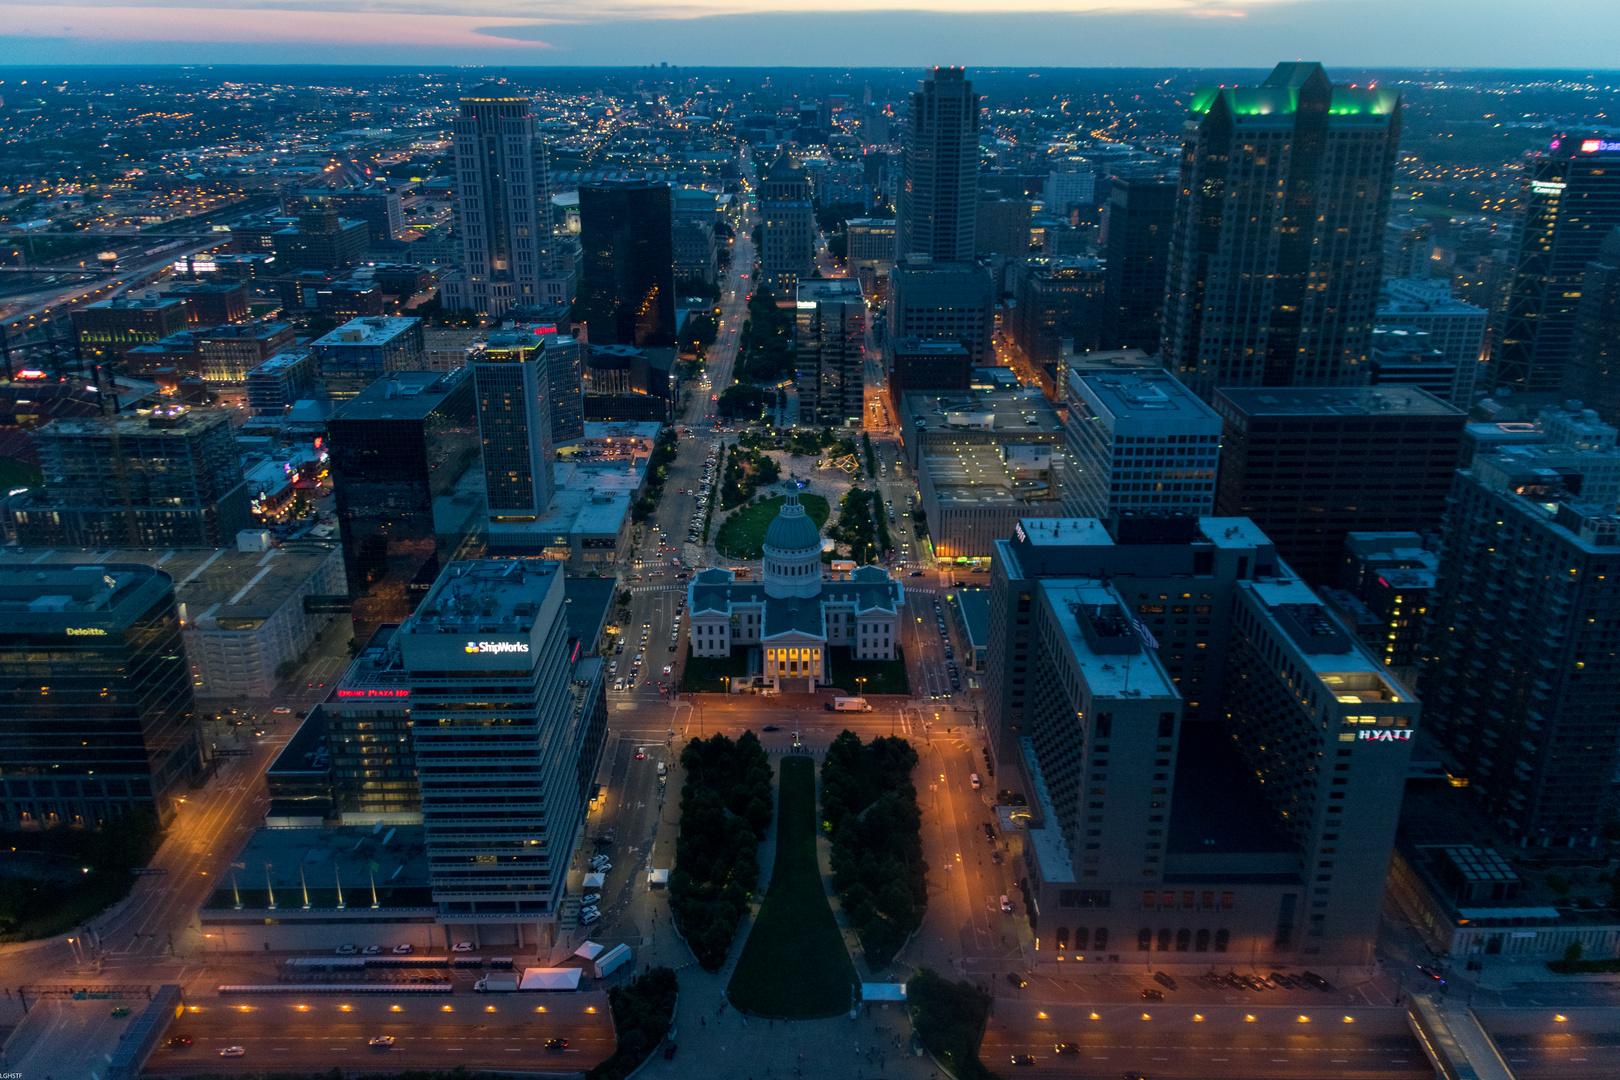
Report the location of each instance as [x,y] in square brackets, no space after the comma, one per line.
[744,531]
[15,473]
[882,676]
[708,674]
[794,965]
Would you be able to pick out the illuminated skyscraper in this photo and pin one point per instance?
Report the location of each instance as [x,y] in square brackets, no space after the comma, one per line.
[787,232]
[1571,200]
[503,206]
[1278,242]
[939,190]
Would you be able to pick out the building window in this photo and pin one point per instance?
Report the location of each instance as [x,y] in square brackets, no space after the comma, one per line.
[1222,939]
[1144,940]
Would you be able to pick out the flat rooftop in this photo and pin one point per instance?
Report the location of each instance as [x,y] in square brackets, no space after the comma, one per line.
[501,593]
[404,395]
[370,330]
[220,589]
[1392,400]
[165,421]
[71,589]
[977,476]
[1141,395]
[1010,412]
[1119,675]
[1331,653]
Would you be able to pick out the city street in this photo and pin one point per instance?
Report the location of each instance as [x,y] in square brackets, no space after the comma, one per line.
[320,1032]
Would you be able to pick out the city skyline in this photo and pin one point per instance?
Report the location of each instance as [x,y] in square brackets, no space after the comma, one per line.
[1065,33]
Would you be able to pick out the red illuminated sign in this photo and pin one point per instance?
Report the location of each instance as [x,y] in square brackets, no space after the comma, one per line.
[373,693]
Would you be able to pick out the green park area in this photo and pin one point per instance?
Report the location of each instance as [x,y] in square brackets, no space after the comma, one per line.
[712,674]
[794,965]
[866,676]
[743,533]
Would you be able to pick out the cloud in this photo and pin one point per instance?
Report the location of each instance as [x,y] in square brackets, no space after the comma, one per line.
[265,26]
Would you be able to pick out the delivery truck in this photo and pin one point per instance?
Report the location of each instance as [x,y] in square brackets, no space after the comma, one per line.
[611,960]
[849,704]
[498,982]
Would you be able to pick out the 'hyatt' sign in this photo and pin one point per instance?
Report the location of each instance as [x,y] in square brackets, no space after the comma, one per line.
[1386,735]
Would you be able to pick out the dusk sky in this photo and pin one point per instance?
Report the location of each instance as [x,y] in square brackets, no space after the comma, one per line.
[1056,33]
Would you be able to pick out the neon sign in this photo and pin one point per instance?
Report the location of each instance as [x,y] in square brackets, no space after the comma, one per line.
[497,647]
[373,693]
[1386,735]
[86,631]
[1018,531]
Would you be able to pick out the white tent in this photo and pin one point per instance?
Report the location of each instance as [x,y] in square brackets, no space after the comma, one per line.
[589,951]
[657,879]
[550,979]
[594,881]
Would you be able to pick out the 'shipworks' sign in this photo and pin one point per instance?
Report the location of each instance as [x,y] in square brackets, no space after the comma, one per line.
[1386,735]
[497,646]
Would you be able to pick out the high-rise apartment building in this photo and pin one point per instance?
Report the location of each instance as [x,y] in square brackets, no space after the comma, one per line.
[1570,194]
[321,240]
[831,337]
[1275,259]
[627,289]
[787,227]
[945,300]
[503,205]
[1141,217]
[1455,328]
[1408,243]
[361,351]
[1137,443]
[165,477]
[514,426]
[503,787]
[1058,300]
[382,211]
[96,717]
[401,457]
[1521,676]
[1593,374]
[939,183]
[1212,764]
[1309,466]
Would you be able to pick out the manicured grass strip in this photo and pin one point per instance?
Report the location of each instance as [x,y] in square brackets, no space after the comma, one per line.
[742,535]
[794,965]
[882,676]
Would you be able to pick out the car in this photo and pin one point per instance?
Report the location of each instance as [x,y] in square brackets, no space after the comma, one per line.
[380,1040]
[233,1051]
[602,868]
[404,950]
[1023,1059]
[770,727]
[1006,903]
[1164,980]
[1284,981]
[1066,1048]
[590,898]
[915,573]
[371,950]
[668,668]
[179,1042]
[618,684]
[347,950]
[586,918]
[1432,973]
[282,710]
[1016,979]
[1151,994]
[556,1044]
[462,946]
[640,753]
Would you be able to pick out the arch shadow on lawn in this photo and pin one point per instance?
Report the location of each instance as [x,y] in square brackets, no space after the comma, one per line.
[794,965]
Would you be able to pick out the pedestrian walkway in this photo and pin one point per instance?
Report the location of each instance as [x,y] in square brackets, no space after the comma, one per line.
[1455,1041]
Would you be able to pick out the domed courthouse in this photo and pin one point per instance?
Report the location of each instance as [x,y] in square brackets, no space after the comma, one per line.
[794,614]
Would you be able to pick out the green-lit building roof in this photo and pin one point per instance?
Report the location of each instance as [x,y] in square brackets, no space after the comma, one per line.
[1277,99]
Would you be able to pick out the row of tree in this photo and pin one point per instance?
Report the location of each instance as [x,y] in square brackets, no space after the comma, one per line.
[725,810]
[658,464]
[642,1013]
[870,806]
